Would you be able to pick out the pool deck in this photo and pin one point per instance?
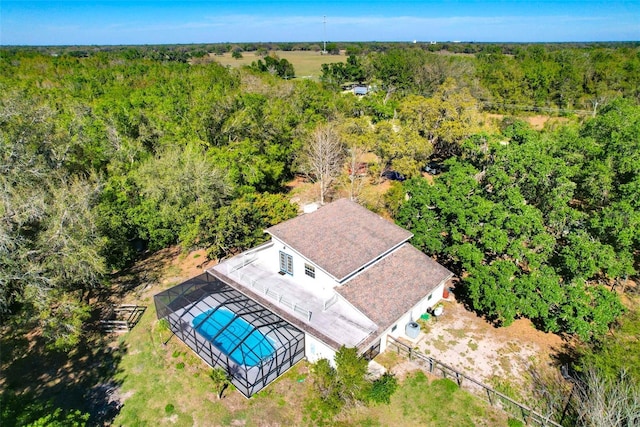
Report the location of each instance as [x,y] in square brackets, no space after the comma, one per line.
[321,314]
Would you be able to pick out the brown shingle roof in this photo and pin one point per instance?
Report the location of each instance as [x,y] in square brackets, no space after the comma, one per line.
[386,290]
[340,237]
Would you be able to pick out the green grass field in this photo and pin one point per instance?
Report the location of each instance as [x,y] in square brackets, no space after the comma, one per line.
[307,64]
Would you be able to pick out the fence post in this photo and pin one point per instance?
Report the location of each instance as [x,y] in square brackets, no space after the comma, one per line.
[489,396]
[525,415]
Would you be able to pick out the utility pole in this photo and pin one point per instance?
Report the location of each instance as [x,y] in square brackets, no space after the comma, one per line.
[324,29]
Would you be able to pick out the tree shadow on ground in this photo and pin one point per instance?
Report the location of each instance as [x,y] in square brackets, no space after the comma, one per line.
[464,298]
[144,273]
[36,380]
[566,355]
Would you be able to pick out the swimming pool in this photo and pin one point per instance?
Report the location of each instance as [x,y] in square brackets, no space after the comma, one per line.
[253,349]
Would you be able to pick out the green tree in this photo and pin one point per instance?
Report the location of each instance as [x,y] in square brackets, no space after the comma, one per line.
[445,120]
[347,383]
[351,371]
[588,311]
[515,235]
[325,383]
[220,380]
[383,388]
[338,73]
[397,68]
[276,66]
[175,188]
[239,225]
[399,147]
[24,410]
[616,352]
[49,245]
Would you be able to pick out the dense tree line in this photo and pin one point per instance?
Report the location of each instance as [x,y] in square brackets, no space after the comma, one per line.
[524,77]
[103,157]
[111,153]
[276,66]
[535,224]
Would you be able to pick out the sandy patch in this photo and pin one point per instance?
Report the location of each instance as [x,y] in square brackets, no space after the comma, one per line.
[468,343]
[537,122]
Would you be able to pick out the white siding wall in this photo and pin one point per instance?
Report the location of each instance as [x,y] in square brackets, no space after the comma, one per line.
[271,259]
[416,311]
[315,350]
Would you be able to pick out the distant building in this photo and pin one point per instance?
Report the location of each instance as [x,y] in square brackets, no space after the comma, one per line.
[360,90]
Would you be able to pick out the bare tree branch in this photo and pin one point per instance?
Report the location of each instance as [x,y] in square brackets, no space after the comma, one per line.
[322,157]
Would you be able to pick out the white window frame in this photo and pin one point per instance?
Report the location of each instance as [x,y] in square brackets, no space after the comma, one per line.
[310,270]
[286,263]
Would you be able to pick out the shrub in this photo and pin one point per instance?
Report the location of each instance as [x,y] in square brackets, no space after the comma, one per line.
[512,422]
[383,388]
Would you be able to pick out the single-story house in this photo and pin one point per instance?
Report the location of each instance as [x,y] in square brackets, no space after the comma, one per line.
[339,275]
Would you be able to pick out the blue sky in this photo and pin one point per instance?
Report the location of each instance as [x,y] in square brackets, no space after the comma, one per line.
[154,22]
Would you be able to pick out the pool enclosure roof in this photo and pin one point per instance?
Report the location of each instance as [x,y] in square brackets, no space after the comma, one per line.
[230,342]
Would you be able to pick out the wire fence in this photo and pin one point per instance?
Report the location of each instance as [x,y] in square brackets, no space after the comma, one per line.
[494,397]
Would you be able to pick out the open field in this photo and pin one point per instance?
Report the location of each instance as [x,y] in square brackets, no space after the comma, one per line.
[307,64]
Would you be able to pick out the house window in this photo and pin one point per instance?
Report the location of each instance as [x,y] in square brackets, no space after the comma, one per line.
[286,263]
[429,297]
[394,328]
[310,271]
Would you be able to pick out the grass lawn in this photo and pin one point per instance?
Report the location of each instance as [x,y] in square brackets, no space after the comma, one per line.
[306,64]
[425,402]
[169,385]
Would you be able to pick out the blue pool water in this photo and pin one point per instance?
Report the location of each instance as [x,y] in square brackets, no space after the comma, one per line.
[254,348]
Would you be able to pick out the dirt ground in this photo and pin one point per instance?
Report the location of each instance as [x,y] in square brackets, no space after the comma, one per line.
[158,271]
[537,122]
[464,341]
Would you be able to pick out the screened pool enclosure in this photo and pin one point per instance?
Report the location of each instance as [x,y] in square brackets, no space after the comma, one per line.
[229,330]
